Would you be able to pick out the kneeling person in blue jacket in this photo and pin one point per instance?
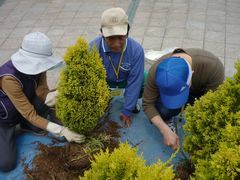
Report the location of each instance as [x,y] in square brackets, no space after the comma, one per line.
[123,59]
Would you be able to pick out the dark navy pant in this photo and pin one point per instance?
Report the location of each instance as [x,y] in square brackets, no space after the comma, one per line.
[8,150]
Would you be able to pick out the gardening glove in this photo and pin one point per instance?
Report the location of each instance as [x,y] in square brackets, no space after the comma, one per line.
[51,98]
[61,131]
[126,120]
[171,139]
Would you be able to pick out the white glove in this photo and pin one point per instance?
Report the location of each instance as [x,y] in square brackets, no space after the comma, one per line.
[51,98]
[61,131]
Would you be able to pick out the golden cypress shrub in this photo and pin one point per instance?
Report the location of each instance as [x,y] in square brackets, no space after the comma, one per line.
[125,163]
[212,131]
[83,91]
[225,162]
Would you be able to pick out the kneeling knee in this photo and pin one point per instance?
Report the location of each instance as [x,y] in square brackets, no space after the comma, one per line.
[7,164]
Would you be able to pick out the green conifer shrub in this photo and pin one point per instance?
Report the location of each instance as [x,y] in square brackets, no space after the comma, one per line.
[83,92]
[212,131]
[125,163]
[225,163]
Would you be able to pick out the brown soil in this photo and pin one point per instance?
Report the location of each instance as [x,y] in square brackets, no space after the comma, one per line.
[71,160]
[184,170]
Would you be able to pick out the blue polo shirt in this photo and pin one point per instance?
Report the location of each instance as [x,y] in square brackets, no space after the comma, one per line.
[131,69]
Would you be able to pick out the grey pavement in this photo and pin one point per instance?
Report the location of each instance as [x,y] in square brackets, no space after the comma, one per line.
[213,25]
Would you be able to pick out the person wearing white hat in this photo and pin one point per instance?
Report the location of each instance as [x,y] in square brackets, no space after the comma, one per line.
[23,90]
[123,59]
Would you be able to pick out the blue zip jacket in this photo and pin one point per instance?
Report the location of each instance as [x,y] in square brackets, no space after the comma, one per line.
[131,69]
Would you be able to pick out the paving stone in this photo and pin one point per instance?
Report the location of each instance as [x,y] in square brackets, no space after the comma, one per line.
[138,39]
[177,16]
[152,43]
[137,31]
[81,14]
[229,66]
[189,43]
[80,21]
[200,25]
[26,23]
[2,40]
[215,36]
[4,33]
[174,32]
[61,22]
[194,34]
[233,51]
[67,41]
[141,21]
[233,28]
[233,20]
[40,29]
[56,31]
[8,25]
[46,22]
[180,23]
[172,42]
[19,32]
[55,40]
[217,19]
[142,15]
[13,17]
[11,43]
[196,16]
[217,12]
[74,30]
[232,38]
[90,36]
[156,22]
[71,7]
[5,55]
[66,15]
[9,5]
[213,26]
[209,24]
[216,48]
[93,29]
[159,15]
[155,31]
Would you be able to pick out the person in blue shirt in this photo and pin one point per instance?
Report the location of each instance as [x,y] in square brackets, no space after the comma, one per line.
[123,59]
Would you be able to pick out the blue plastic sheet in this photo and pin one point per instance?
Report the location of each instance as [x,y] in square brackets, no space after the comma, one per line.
[141,134]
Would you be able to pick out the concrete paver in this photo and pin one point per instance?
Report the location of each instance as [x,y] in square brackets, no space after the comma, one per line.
[210,24]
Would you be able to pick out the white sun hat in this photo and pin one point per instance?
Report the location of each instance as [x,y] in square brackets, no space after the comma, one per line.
[35,55]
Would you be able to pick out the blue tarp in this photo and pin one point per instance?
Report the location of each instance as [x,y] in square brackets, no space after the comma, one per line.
[141,133]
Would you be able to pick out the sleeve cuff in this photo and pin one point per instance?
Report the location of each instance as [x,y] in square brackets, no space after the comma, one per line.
[126,112]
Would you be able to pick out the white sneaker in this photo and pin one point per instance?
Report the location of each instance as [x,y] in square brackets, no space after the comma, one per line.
[172,124]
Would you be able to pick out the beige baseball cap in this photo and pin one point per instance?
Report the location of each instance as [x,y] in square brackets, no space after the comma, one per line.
[114,22]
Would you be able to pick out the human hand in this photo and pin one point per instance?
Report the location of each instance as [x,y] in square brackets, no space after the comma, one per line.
[125,119]
[61,131]
[51,98]
[171,139]
[72,136]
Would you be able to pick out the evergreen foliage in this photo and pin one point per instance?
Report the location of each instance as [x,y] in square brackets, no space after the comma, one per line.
[212,131]
[125,163]
[83,91]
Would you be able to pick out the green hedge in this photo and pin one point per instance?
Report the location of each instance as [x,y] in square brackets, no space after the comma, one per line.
[83,91]
[125,163]
[212,131]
